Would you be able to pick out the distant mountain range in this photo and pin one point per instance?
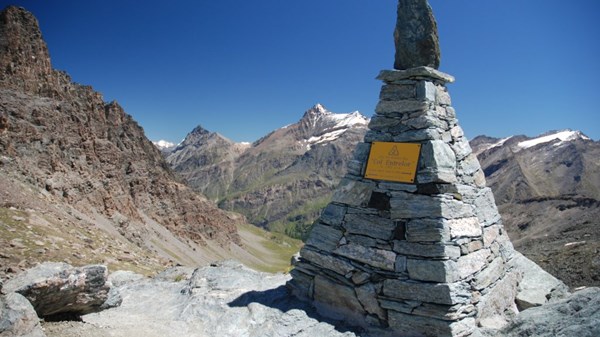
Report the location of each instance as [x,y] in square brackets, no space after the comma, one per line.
[280,181]
[547,187]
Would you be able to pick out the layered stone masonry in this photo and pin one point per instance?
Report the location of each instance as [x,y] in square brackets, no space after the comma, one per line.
[423,259]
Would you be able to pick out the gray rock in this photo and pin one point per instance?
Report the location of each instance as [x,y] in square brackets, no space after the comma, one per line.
[227,300]
[333,214]
[428,230]
[578,315]
[372,226]
[472,263]
[465,227]
[537,286]
[439,251]
[353,193]
[409,206]
[176,274]
[437,164]
[490,274]
[416,36]
[407,325]
[440,293]
[398,76]
[443,271]
[497,307]
[54,288]
[395,92]
[397,108]
[378,258]
[324,237]
[327,261]
[121,277]
[337,301]
[18,318]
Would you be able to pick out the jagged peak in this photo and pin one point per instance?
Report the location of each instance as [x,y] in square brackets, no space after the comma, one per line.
[200,130]
[316,112]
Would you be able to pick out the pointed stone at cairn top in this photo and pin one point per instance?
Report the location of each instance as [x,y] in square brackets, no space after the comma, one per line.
[416,36]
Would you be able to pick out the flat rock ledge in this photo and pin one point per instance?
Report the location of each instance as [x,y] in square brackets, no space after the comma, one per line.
[228,299]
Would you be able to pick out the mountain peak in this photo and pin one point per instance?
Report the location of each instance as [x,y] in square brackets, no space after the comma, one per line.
[200,130]
[316,112]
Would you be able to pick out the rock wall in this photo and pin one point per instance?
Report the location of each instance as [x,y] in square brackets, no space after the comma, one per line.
[423,259]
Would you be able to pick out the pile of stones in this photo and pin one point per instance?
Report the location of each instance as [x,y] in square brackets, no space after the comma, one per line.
[429,258]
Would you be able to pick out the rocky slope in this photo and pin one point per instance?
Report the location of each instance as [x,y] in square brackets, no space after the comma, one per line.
[548,191]
[80,181]
[282,180]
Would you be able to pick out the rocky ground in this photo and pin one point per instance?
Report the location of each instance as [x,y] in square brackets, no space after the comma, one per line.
[228,299]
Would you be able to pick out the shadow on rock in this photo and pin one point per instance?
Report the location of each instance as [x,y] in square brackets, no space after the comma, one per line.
[280,298]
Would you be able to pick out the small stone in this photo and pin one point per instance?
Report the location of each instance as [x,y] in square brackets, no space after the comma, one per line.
[333,214]
[397,76]
[368,225]
[370,256]
[438,251]
[465,227]
[443,271]
[394,92]
[426,91]
[440,293]
[324,237]
[472,263]
[400,107]
[334,264]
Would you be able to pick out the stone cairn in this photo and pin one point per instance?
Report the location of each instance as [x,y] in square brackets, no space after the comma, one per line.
[429,258]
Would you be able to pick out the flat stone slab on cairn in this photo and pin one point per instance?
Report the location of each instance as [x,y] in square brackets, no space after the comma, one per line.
[423,259]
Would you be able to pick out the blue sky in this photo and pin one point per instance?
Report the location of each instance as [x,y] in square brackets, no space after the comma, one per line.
[244,68]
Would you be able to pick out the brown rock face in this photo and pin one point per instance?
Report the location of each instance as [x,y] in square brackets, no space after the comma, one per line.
[62,137]
[416,36]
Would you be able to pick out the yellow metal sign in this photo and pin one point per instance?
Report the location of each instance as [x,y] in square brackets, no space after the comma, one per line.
[393,161]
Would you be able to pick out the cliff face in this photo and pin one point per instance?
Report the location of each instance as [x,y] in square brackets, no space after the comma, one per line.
[62,138]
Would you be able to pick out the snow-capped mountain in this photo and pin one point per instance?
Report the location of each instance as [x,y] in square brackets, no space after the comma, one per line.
[283,178]
[548,192]
[557,138]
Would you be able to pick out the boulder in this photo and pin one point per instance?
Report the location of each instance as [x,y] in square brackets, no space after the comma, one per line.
[537,286]
[18,318]
[58,288]
[576,315]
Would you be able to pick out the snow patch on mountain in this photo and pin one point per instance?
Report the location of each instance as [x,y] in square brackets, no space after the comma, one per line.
[562,136]
[163,144]
[329,126]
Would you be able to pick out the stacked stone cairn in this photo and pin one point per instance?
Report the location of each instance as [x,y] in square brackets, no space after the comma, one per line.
[429,258]
[423,259]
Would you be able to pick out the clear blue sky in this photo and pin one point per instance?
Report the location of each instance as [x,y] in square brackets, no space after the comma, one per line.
[244,68]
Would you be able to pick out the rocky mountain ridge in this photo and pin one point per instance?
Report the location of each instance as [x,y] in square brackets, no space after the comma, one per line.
[548,191]
[80,180]
[282,180]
